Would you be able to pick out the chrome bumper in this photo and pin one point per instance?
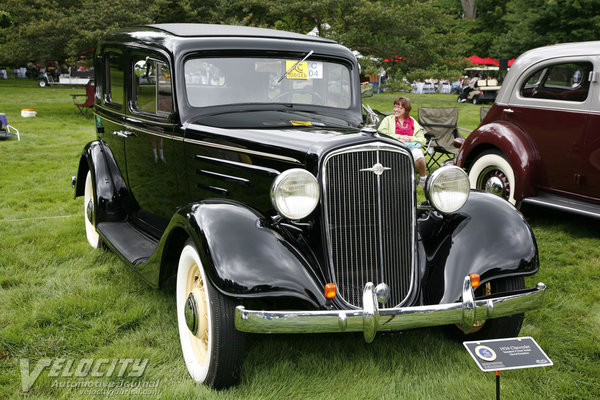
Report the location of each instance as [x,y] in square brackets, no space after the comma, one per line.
[371,319]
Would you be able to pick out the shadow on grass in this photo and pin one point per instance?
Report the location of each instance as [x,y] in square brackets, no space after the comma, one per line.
[575,225]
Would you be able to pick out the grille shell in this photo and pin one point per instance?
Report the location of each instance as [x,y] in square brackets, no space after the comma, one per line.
[369,202]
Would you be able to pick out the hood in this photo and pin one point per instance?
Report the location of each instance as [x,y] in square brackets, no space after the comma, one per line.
[296,141]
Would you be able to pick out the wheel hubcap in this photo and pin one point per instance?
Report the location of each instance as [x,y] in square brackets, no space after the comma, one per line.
[494,186]
[495,182]
[191,314]
[90,211]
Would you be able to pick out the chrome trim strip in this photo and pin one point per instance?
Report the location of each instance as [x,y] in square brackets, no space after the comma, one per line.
[142,119]
[235,179]
[236,164]
[548,107]
[136,128]
[574,210]
[241,150]
[370,320]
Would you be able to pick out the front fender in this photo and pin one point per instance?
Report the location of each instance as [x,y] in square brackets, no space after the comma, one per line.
[246,257]
[511,141]
[487,236]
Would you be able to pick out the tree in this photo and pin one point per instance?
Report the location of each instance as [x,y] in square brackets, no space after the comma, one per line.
[534,23]
[44,31]
[468,8]
[418,34]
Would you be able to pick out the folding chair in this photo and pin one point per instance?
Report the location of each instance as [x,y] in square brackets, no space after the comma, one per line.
[441,130]
[88,102]
[7,130]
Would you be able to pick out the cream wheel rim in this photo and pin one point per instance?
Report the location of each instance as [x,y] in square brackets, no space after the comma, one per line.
[192,286]
[195,287]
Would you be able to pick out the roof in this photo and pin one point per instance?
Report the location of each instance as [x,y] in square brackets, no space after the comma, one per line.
[535,56]
[213,30]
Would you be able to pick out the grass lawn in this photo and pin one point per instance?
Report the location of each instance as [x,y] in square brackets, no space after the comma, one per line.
[59,299]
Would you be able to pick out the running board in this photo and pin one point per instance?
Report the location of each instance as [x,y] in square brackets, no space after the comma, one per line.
[128,241]
[565,204]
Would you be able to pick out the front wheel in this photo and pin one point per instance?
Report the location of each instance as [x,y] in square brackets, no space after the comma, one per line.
[42,83]
[492,172]
[212,348]
[495,328]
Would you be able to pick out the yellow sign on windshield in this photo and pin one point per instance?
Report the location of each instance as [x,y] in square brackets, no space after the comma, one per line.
[300,72]
[300,123]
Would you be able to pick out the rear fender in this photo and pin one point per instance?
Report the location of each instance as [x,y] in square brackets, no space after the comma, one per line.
[110,187]
[511,141]
[487,237]
[245,257]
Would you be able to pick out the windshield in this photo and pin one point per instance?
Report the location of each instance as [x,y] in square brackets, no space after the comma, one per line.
[223,81]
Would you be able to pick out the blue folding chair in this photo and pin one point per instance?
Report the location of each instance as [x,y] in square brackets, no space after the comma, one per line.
[7,130]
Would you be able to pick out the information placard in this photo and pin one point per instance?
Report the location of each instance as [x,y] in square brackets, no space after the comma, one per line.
[510,353]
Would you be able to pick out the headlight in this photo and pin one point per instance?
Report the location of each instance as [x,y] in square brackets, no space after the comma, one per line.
[447,189]
[295,193]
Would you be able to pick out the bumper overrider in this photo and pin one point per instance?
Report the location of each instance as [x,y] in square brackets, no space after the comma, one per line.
[371,319]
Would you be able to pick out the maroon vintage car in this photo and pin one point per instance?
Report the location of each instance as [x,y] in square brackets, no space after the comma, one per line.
[539,143]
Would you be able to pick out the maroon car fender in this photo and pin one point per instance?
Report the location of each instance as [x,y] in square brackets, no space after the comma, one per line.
[511,141]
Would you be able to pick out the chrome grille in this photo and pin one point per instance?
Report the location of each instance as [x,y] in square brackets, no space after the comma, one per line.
[370,216]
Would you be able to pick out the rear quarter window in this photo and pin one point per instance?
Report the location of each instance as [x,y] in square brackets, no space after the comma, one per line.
[561,81]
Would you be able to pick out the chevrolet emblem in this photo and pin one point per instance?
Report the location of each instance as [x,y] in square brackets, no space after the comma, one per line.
[377,169]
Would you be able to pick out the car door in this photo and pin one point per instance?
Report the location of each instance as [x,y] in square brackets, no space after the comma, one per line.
[591,156]
[153,142]
[110,114]
[550,105]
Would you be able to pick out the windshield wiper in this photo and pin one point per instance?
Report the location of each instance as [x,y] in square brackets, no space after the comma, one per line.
[294,66]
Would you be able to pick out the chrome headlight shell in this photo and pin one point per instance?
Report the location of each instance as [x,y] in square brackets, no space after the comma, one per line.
[295,193]
[447,189]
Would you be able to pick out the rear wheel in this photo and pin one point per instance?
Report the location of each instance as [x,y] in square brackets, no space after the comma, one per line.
[493,328]
[89,213]
[212,348]
[492,172]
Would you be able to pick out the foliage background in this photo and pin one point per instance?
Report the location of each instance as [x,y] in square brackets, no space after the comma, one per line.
[429,35]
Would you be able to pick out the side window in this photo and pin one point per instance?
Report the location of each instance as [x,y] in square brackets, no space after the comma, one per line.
[565,82]
[114,80]
[152,86]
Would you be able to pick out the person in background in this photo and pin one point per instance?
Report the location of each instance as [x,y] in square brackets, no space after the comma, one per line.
[406,129]
[472,85]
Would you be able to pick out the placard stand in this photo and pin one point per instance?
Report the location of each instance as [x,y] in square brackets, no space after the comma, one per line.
[502,354]
[497,385]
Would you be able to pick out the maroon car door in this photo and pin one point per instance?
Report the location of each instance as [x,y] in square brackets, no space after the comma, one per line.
[590,183]
[551,106]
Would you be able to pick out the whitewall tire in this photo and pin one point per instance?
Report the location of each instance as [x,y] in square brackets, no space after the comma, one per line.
[492,172]
[212,348]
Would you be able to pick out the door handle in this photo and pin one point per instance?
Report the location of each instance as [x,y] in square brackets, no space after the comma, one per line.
[124,134]
[509,111]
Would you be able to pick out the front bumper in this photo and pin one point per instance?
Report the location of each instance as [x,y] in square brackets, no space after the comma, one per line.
[371,319]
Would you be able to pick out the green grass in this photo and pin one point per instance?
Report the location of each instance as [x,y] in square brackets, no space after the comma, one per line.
[61,299]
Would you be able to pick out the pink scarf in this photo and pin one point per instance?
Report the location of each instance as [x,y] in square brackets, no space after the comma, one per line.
[407,128]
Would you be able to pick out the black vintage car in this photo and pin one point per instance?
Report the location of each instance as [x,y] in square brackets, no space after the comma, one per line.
[237,164]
